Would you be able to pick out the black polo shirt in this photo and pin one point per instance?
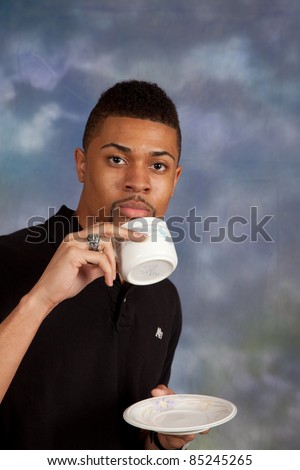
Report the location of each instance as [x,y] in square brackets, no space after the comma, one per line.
[93,356]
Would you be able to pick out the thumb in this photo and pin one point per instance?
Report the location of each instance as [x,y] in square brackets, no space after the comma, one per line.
[161,390]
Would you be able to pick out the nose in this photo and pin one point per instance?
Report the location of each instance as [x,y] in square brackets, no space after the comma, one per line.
[137,180]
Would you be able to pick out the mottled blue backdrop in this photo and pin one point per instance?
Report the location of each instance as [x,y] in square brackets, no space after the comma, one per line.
[233,69]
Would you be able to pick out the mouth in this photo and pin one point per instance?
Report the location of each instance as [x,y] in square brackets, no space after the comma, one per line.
[134,209]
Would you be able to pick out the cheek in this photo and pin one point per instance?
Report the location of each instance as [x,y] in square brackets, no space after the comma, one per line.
[162,193]
[101,181]
[163,188]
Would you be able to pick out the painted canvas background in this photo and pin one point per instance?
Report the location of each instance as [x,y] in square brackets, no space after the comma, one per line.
[232,67]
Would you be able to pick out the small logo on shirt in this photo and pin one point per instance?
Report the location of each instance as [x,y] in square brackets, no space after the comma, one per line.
[159,333]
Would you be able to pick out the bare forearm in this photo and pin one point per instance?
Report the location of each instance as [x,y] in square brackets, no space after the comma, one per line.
[16,333]
[70,270]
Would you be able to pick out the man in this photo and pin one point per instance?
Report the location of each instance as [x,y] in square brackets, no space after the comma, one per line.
[78,345]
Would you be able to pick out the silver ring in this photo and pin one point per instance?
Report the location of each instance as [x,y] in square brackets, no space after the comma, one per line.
[93,240]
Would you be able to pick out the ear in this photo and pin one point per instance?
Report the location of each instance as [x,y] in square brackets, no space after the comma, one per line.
[176,178]
[80,162]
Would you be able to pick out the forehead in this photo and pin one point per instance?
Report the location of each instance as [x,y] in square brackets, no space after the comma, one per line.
[138,134]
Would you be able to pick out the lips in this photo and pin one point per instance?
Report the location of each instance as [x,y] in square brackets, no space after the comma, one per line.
[131,209]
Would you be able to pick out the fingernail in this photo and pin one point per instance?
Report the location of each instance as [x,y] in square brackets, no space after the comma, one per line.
[109,281]
[140,235]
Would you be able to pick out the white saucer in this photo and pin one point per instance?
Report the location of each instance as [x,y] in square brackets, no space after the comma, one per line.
[180,414]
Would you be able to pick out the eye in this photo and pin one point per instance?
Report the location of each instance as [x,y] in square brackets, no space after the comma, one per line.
[160,167]
[115,160]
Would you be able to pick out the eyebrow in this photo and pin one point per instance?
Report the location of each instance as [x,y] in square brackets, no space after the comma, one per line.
[122,148]
[161,153]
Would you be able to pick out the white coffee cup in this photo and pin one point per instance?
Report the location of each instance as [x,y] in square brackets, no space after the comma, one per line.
[149,261]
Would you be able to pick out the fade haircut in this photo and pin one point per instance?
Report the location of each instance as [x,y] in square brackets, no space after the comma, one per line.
[136,99]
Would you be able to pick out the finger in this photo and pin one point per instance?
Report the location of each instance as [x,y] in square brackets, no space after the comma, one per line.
[132,235]
[100,259]
[108,230]
[108,250]
[189,437]
[120,233]
[104,247]
[161,390]
[205,432]
[81,257]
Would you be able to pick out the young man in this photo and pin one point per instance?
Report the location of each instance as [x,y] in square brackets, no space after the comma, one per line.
[78,345]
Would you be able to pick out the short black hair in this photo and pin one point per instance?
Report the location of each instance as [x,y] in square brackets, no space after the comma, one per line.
[132,98]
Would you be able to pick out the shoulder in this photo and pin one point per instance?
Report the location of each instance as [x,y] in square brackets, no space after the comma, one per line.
[42,238]
[167,288]
[21,265]
[24,255]
[18,245]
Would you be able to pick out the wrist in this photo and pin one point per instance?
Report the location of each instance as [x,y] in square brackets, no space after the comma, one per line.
[32,305]
[154,439]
